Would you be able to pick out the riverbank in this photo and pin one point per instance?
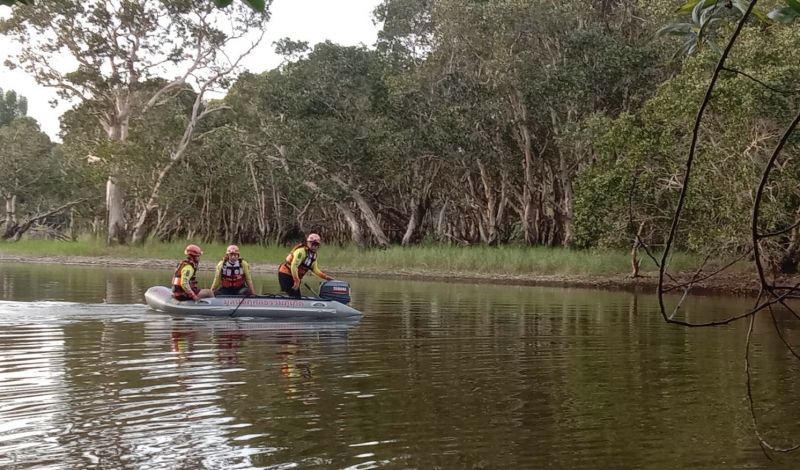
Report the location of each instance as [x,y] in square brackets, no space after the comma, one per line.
[738,283]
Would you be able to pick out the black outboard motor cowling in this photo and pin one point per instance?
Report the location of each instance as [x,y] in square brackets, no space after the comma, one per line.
[335,290]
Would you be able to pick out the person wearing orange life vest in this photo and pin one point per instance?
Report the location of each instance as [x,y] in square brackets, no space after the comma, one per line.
[184,281]
[233,275]
[301,259]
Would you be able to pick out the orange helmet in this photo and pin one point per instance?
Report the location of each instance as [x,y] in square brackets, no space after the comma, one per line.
[192,250]
[313,238]
[232,249]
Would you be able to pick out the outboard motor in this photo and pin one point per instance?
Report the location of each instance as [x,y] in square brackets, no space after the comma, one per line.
[335,290]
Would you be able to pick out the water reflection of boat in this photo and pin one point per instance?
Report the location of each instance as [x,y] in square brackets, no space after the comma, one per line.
[229,336]
[258,326]
[159,298]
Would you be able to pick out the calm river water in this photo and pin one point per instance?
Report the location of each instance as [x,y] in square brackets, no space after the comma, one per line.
[435,375]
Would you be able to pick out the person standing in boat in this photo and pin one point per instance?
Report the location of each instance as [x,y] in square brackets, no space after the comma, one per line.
[302,259]
[233,275]
[184,281]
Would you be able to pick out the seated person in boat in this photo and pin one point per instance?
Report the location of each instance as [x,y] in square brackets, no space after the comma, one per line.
[184,281]
[301,259]
[233,275]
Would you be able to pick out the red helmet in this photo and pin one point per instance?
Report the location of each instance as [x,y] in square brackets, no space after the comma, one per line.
[313,238]
[232,249]
[192,250]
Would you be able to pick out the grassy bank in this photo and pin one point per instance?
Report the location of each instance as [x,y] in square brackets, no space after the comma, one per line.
[503,260]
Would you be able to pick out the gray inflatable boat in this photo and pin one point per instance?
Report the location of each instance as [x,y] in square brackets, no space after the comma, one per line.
[330,305]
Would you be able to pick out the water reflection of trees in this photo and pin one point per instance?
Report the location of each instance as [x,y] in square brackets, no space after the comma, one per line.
[565,360]
[88,284]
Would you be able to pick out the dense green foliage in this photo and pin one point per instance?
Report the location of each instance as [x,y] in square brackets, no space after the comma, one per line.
[11,106]
[647,151]
[35,178]
[510,121]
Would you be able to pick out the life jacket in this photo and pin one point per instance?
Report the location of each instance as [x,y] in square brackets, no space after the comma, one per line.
[177,290]
[232,275]
[304,267]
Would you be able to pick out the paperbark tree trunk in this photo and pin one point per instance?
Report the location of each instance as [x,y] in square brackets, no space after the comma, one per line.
[566,208]
[11,216]
[418,210]
[140,227]
[117,130]
[636,262]
[262,208]
[420,202]
[441,225]
[524,142]
[356,234]
[372,220]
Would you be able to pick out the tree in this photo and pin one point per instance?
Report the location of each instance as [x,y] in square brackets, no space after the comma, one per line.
[320,121]
[29,174]
[505,81]
[116,47]
[12,106]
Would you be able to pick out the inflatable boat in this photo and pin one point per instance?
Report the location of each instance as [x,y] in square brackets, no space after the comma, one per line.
[330,305]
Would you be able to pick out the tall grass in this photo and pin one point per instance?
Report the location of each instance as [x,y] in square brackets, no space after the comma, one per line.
[508,260]
[444,259]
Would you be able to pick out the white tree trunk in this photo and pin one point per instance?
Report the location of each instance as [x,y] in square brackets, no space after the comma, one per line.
[117,129]
[262,208]
[355,227]
[441,226]
[115,214]
[140,228]
[371,219]
[520,114]
[11,209]
[11,216]
[414,221]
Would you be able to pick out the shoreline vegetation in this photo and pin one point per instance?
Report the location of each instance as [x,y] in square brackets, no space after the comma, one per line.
[454,126]
[512,265]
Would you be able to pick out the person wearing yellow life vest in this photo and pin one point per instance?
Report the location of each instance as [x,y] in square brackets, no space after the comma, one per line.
[301,259]
[233,275]
[184,281]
